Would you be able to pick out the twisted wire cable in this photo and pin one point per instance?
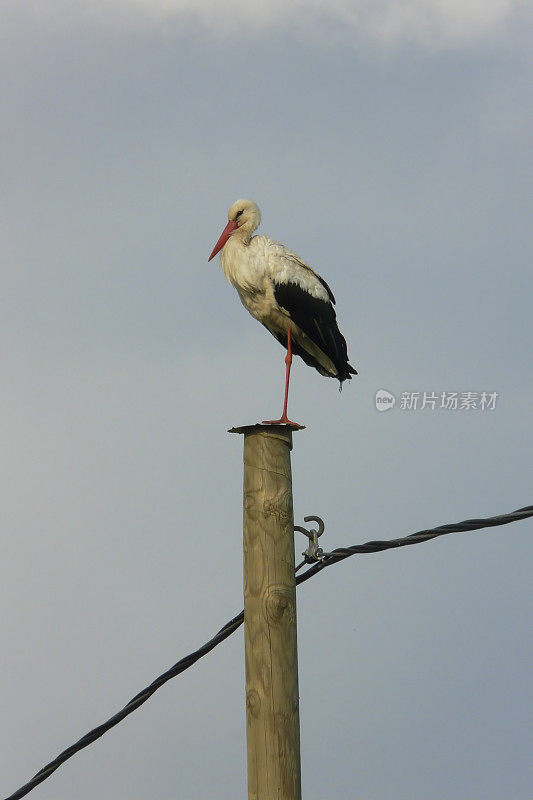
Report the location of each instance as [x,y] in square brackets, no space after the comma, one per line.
[326,560]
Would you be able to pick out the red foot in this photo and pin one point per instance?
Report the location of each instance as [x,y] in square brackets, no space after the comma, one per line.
[284,420]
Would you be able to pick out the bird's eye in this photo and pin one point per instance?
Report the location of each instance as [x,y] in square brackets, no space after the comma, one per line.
[239,213]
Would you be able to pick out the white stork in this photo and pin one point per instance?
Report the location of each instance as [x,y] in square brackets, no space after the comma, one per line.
[284,293]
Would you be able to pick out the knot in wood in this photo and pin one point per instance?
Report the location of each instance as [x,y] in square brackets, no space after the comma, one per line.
[279,605]
[253,702]
[280,508]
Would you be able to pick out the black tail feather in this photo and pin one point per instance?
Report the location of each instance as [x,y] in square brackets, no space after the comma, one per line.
[344,369]
[317,319]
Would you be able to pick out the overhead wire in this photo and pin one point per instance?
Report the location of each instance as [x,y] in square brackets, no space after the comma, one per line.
[340,553]
[326,560]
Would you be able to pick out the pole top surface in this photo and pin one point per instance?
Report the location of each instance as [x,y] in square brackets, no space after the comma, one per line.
[268,427]
[283,432]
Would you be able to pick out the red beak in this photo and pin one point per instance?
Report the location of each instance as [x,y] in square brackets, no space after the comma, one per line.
[226,233]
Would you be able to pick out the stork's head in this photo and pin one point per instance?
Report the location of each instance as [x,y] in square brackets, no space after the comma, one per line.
[243,218]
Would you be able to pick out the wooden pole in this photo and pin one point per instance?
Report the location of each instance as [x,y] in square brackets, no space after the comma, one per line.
[272,715]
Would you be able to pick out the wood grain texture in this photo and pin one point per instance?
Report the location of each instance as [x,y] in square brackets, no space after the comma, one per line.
[272,714]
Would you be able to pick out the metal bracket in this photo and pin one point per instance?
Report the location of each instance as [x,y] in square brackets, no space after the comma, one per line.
[313,553]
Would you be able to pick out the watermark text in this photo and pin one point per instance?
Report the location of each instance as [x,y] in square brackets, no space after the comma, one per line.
[432,401]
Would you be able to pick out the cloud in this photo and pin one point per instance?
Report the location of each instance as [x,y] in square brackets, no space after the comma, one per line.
[430,24]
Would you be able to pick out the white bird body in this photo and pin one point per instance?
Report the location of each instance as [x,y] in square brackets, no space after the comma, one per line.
[284,293]
[254,270]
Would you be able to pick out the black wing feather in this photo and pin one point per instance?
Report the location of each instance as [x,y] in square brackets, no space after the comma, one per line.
[317,319]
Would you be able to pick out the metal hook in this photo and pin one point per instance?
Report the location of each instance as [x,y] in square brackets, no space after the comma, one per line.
[313,552]
[321,524]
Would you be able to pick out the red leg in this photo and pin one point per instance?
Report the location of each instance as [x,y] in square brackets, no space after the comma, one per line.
[284,420]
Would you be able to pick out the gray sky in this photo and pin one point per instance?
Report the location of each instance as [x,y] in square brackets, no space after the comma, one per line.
[389,145]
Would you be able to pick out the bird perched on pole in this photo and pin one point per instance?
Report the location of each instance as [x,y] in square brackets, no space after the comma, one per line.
[284,293]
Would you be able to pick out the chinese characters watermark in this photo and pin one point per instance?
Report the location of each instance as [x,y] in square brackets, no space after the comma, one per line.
[447,401]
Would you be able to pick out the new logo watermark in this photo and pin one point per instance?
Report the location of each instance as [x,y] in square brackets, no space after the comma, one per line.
[447,401]
[384,400]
